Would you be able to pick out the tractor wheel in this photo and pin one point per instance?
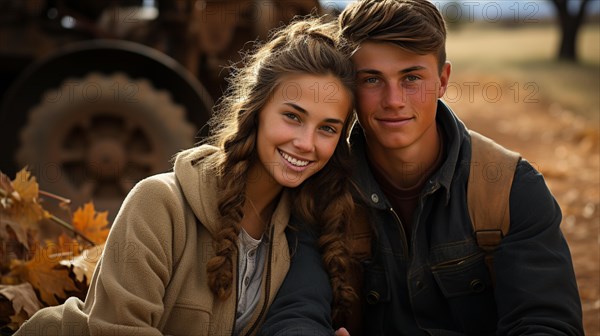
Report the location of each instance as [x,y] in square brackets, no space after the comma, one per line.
[94,137]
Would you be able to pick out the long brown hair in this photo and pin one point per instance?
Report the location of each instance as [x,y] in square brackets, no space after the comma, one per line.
[307,46]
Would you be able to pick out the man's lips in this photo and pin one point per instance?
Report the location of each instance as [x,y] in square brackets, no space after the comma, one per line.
[394,121]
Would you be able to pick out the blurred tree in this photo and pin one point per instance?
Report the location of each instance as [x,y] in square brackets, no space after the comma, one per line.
[570,22]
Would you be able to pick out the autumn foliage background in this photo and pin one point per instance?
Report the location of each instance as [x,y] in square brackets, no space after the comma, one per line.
[44,258]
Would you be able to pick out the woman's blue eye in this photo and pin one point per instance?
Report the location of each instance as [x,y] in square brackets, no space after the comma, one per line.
[329,129]
[292,116]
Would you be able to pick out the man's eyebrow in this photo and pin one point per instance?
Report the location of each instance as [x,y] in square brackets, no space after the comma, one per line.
[412,68]
[303,111]
[368,71]
[403,71]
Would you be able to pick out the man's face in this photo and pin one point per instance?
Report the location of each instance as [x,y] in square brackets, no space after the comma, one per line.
[397,93]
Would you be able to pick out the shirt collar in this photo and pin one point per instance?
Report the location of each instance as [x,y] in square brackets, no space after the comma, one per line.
[454,133]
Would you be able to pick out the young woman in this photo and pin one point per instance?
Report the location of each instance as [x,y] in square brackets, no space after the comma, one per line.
[202,250]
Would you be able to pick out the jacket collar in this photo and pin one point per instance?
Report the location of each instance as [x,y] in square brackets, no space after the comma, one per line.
[368,189]
[194,170]
[454,133]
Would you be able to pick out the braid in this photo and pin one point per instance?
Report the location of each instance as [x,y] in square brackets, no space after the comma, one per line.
[232,176]
[310,46]
[335,254]
[326,202]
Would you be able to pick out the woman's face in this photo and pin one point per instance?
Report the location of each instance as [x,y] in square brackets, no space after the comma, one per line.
[300,126]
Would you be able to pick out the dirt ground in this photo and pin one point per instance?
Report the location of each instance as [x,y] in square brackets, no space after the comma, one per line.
[564,147]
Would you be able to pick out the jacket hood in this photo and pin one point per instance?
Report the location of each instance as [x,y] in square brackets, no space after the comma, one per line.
[194,173]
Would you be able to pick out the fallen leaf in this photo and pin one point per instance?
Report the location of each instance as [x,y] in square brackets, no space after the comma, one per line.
[92,224]
[42,274]
[67,244]
[17,320]
[25,186]
[22,297]
[12,235]
[6,191]
[6,311]
[25,208]
[85,264]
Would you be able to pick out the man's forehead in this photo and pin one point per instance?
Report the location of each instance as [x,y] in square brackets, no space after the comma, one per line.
[372,56]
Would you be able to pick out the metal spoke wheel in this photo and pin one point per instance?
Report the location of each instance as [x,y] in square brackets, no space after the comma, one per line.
[94,137]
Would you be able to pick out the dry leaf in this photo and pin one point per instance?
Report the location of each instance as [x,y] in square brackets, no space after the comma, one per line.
[26,210]
[85,264]
[92,224]
[6,191]
[12,235]
[69,245]
[25,186]
[42,274]
[23,298]
[17,320]
[5,183]
[6,311]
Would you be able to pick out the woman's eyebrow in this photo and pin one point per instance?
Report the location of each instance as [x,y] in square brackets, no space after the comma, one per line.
[303,111]
[296,107]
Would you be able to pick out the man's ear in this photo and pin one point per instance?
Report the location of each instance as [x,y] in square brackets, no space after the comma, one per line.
[444,78]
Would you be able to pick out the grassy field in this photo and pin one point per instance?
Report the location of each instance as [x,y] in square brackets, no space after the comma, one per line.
[525,55]
[549,112]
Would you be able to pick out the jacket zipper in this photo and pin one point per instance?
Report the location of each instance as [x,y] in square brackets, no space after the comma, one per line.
[263,309]
[402,232]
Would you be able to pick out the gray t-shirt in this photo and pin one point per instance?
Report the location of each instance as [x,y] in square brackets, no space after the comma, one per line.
[251,261]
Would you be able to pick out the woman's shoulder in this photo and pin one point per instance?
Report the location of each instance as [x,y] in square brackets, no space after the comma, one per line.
[160,185]
[161,191]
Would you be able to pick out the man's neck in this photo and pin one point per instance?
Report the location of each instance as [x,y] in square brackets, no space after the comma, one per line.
[405,167]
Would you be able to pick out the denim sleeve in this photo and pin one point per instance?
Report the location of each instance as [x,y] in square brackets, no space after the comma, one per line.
[536,291]
[303,303]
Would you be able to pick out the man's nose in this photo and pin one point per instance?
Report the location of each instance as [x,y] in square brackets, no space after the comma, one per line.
[395,96]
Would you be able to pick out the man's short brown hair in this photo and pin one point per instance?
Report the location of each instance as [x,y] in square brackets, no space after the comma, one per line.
[415,25]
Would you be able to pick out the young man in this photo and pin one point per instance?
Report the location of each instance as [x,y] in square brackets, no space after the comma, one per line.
[424,273]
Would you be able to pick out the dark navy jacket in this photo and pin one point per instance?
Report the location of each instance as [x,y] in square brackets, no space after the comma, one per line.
[439,284]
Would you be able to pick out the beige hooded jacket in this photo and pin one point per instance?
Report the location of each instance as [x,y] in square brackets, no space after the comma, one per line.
[152,279]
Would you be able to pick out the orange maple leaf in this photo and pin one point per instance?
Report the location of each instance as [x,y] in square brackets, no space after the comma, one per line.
[92,224]
[25,186]
[42,273]
[69,245]
[6,190]
[26,210]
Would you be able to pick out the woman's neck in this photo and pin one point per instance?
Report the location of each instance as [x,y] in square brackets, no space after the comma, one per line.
[261,198]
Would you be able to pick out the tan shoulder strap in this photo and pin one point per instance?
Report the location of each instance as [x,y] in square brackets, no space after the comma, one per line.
[490,179]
